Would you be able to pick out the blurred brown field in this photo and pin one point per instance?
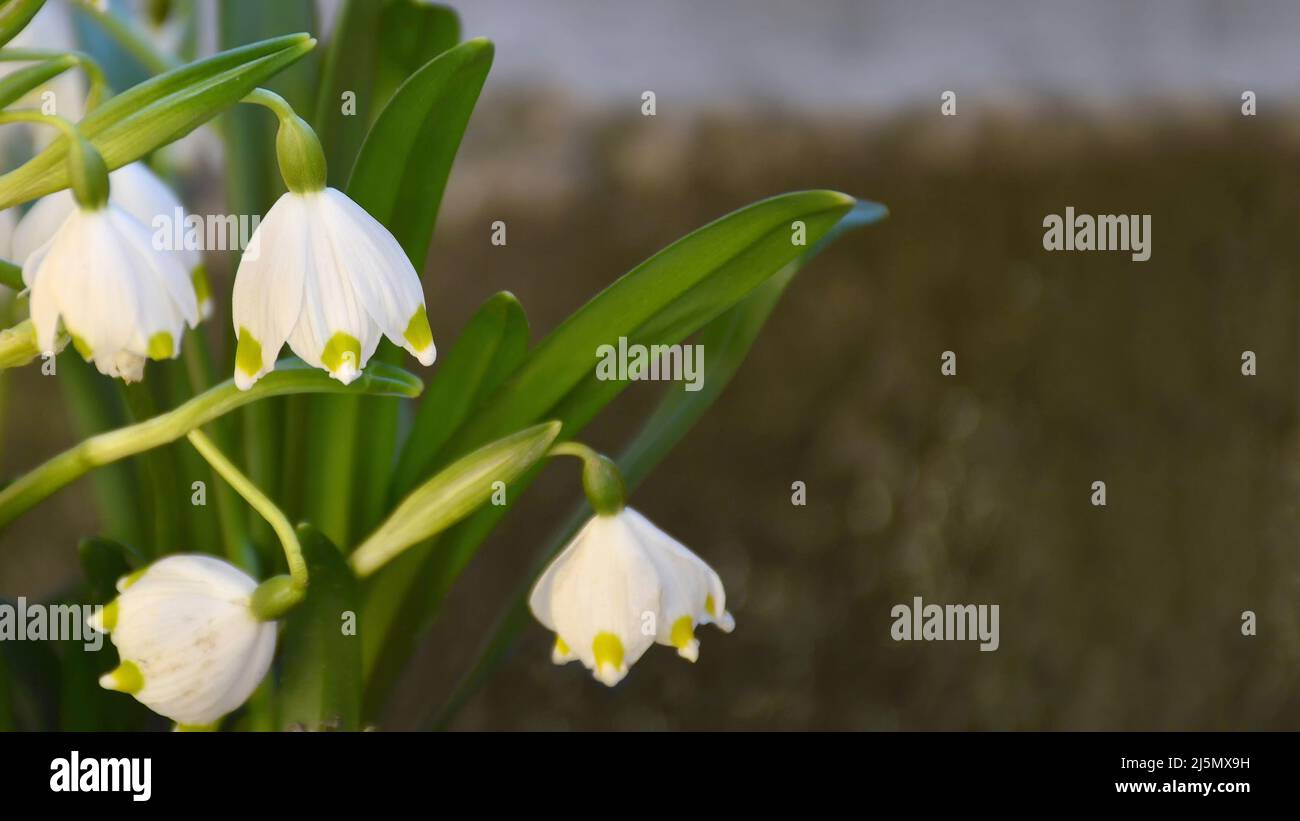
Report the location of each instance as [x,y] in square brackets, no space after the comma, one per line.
[1072,368]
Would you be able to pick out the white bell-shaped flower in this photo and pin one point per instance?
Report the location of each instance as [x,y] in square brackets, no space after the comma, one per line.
[621,585]
[119,300]
[327,277]
[138,191]
[190,646]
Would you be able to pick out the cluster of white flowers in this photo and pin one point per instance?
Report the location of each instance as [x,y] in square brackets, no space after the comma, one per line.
[328,278]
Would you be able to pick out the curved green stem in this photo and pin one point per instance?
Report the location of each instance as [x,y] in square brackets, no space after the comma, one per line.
[94,72]
[297,148]
[601,481]
[258,500]
[290,376]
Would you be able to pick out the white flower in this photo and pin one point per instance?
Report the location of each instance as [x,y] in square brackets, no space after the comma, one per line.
[119,300]
[190,646]
[621,585]
[139,192]
[330,280]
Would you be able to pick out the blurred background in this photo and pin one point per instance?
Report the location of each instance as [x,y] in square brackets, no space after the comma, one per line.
[975,488]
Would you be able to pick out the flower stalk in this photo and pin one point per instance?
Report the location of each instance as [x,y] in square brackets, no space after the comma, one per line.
[274,596]
[601,481]
[94,73]
[289,377]
[297,148]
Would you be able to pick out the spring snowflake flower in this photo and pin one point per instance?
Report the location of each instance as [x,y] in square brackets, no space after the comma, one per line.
[190,645]
[330,280]
[119,299]
[621,585]
[139,192]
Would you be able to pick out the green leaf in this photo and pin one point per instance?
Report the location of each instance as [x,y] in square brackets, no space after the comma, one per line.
[411,34]
[399,178]
[727,339]
[320,685]
[15,15]
[673,293]
[404,164]
[290,376]
[156,112]
[452,494]
[492,345]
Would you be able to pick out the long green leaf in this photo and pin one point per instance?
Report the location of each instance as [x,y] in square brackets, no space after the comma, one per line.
[15,15]
[412,32]
[694,279]
[320,686]
[156,112]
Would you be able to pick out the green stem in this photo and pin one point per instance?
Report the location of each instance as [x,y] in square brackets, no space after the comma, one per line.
[601,480]
[290,376]
[259,501]
[98,82]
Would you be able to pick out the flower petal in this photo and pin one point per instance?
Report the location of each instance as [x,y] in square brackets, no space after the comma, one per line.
[386,283]
[333,332]
[268,291]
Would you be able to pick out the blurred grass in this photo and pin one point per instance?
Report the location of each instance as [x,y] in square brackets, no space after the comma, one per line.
[1072,368]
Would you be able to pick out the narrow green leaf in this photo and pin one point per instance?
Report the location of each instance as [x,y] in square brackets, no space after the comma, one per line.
[726,340]
[412,33]
[452,494]
[402,170]
[689,282]
[156,112]
[320,685]
[15,15]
